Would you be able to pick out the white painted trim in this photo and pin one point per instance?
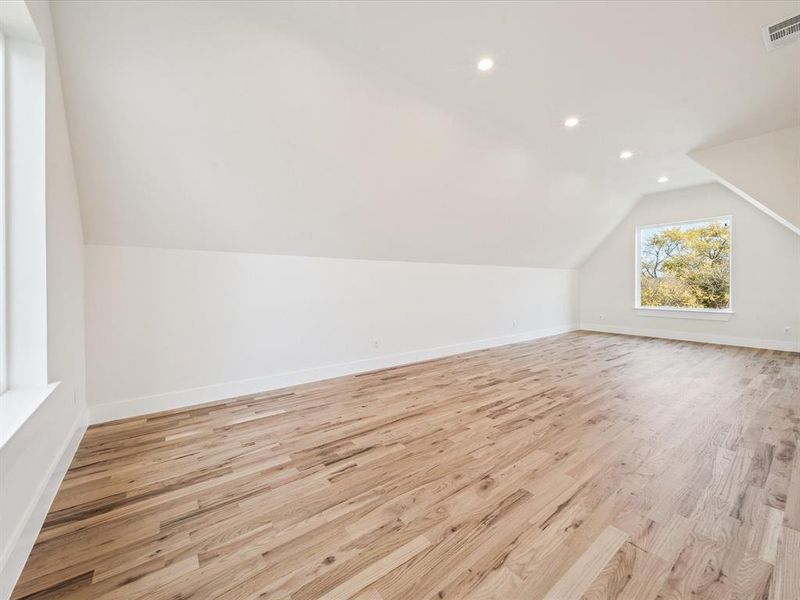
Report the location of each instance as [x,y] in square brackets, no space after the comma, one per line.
[100,413]
[706,314]
[3,219]
[17,406]
[707,338]
[28,529]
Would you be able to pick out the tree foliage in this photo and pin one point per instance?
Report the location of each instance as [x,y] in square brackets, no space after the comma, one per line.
[686,266]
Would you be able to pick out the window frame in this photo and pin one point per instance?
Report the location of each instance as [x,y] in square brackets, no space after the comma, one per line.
[3,221]
[680,311]
[23,219]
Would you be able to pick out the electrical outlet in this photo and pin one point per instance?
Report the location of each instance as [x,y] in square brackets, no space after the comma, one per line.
[787,330]
[376,343]
[602,317]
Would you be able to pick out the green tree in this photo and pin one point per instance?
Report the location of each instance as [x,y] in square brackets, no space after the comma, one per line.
[687,266]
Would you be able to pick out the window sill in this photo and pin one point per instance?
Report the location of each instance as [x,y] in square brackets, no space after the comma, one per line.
[684,313]
[17,406]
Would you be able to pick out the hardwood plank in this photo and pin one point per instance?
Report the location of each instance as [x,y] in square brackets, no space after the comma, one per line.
[579,577]
[786,584]
[377,569]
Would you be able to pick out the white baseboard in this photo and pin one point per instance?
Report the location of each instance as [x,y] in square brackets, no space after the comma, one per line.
[708,338]
[100,413]
[31,523]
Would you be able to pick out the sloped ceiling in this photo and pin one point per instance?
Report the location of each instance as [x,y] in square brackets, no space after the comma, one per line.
[363,130]
[764,170]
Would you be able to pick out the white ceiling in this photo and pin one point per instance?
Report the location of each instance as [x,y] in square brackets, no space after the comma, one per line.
[364,130]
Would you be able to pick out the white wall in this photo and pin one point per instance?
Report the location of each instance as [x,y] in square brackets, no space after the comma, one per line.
[764,169]
[37,455]
[173,327]
[765,274]
[65,322]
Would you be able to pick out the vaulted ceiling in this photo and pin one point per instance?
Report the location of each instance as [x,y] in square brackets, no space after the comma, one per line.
[364,130]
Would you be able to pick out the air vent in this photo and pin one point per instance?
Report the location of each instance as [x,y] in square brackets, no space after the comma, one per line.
[780,34]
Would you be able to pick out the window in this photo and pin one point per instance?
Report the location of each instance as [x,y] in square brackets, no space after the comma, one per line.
[684,266]
[24,381]
[3,269]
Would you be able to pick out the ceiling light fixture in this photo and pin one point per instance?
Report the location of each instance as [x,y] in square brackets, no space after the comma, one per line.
[571,121]
[663,179]
[485,64]
[625,154]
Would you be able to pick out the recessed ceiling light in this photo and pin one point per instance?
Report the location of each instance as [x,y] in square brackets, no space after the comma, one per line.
[571,121]
[625,154]
[485,64]
[663,179]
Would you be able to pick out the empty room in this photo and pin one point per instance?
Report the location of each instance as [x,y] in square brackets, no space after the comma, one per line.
[399,300]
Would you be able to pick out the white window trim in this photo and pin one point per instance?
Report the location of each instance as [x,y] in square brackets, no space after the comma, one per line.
[17,406]
[25,386]
[705,314]
[709,314]
[3,252]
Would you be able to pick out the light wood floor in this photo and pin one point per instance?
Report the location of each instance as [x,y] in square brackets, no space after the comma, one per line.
[581,466]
